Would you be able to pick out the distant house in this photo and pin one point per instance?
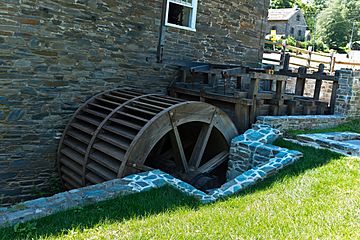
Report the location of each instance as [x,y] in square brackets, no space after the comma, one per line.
[287,22]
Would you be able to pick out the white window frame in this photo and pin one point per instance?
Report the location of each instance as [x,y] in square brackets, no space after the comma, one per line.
[193,7]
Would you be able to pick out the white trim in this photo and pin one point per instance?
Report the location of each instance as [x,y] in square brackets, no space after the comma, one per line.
[180,27]
[192,17]
[190,5]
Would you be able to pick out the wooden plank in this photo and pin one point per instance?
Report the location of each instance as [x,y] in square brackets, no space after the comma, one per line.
[75,156]
[253,92]
[201,143]
[321,107]
[242,116]
[254,88]
[105,161]
[317,89]
[110,150]
[265,76]
[300,82]
[137,109]
[214,162]
[120,132]
[280,89]
[101,171]
[177,144]
[291,107]
[348,63]
[114,141]
[126,123]
[333,97]
[79,136]
[90,120]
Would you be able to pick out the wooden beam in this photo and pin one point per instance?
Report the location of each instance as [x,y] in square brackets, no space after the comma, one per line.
[300,82]
[253,92]
[317,90]
[177,144]
[201,143]
[333,97]
[214,162]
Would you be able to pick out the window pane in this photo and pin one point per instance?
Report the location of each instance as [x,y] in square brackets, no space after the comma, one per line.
[179,15]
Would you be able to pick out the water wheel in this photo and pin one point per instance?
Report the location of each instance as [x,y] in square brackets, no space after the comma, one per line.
[123,131]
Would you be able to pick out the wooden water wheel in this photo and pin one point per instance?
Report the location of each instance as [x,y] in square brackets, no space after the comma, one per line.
[123,131]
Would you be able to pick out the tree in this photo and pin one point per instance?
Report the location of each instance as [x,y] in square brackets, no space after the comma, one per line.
[275,4]
[352,13]
[333,27]
[309,11]
[320,5]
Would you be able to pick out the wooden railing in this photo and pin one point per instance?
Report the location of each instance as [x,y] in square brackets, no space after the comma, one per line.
[289,56]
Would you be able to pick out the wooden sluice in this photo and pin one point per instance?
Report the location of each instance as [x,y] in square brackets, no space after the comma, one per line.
[245,93]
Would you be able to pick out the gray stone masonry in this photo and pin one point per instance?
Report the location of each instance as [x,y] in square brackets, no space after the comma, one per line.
[345,143]
[56,54]
[254,148]
[348,99]
[285,123]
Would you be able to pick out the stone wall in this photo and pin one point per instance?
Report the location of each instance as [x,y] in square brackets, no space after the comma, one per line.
[348,99]
[254,149]
[56,54]
[326,88]
[285,123]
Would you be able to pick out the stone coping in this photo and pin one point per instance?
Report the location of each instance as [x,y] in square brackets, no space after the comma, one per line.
[299,117]
[339,142]
[301,122]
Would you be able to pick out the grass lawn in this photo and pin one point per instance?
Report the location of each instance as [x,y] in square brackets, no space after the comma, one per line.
[316,198]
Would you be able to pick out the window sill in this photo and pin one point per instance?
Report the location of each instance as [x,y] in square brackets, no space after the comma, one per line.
[180,27]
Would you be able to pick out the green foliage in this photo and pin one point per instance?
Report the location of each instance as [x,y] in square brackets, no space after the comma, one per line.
[275,4]
[332,27]
[352,14]
[291,41]
[309,11]
[26,228]
[320,5]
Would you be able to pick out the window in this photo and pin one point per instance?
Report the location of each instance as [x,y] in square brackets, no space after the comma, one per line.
[298,18]
[181,14]
[292,30]
[299,33]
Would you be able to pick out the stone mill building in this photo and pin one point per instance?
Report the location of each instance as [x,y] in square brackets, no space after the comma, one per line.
[56,54]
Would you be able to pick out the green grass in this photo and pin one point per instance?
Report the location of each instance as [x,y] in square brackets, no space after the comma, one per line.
[317,197]
[352,126]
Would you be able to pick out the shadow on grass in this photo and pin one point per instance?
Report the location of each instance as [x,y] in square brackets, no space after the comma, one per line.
[313,158]
[153,202]
[117,210]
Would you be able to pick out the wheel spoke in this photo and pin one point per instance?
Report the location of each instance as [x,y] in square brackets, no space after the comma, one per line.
[214,162]
[201,144]
[178,146]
